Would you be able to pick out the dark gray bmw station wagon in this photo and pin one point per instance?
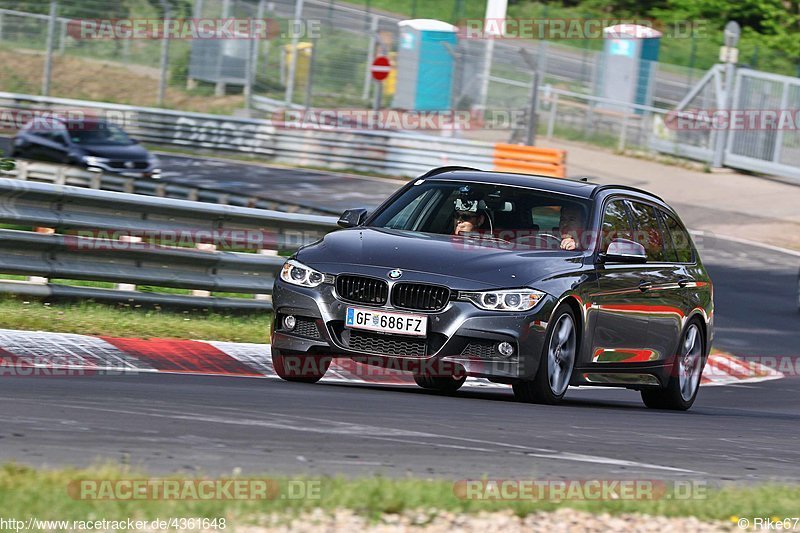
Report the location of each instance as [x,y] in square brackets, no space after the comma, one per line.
[536,282]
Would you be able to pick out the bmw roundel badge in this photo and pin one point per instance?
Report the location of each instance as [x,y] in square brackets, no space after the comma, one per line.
[396,273]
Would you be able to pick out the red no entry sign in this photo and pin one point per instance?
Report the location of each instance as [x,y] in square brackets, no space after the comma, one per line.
[380,68]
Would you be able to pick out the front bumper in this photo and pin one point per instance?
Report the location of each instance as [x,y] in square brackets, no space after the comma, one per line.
[460,336]
[151,170]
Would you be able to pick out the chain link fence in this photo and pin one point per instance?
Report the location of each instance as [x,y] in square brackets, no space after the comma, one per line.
[319,57]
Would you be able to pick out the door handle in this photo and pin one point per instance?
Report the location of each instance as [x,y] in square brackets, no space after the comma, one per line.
[683,282]
[645,286]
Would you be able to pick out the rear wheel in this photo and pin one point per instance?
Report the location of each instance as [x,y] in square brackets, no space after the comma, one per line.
[556,363]
[440,383]
[684,379]
[299,368]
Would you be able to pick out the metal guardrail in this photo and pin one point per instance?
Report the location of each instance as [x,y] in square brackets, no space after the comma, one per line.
[82,242]
[388,152]
[76,177]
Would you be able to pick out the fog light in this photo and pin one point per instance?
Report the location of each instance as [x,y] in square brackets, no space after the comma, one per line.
[289,322]
[506,349]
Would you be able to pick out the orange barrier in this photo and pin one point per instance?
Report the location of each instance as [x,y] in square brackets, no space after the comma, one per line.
[530,160]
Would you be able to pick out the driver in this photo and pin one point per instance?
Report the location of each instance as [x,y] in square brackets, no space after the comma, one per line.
[468,212]
[465,222]
[570,225]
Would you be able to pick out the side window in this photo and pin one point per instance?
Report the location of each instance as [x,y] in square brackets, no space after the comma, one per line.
[616,224]
[648,231]
[680,239]
[669,247]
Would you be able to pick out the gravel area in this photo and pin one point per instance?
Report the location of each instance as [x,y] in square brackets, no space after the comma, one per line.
[566,520]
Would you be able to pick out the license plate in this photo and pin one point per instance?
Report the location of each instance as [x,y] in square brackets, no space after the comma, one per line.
[384,322]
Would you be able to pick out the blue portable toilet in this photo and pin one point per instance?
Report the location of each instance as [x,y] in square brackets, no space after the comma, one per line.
[630,54]
[424,65]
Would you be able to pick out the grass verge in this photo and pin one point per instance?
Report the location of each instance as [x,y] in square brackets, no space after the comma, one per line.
[123,320]
[46,494]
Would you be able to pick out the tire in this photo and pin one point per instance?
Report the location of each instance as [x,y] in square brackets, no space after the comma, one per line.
[685,373]
[299,368]
[556,364]
[447,384]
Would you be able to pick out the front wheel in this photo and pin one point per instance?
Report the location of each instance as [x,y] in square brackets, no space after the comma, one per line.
[299,368]
[556,363]
[684,379]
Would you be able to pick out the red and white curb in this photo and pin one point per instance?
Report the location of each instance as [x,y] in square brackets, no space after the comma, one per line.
[33,353]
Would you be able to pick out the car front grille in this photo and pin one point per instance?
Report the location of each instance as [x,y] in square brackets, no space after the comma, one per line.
[420,296]
[363,290]
[384,344]
[479,348]
[121,164]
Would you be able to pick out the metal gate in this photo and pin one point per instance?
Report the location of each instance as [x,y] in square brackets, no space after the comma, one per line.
[771,151]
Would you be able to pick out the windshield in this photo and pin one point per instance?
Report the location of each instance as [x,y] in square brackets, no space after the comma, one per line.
[520,217]
[95,133]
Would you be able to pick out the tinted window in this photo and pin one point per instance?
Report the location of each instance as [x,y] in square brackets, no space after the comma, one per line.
[102,133]
[647,231]
[669,247]
[680,239]
[616,224]
[516,215]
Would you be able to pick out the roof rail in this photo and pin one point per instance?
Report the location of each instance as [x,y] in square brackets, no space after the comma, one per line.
[441,170]
[625,188]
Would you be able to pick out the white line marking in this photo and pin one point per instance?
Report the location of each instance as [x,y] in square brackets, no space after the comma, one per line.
[745,241]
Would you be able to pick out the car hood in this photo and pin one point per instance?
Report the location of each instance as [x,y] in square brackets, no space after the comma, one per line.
[129,152]
[452,260]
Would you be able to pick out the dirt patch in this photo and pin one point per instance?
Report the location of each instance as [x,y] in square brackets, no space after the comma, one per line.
[87,79]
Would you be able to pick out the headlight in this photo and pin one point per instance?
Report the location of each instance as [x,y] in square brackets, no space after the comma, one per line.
[504,300]
[92,161]
[298,274]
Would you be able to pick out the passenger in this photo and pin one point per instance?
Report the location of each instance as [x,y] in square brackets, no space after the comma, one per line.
[571,226]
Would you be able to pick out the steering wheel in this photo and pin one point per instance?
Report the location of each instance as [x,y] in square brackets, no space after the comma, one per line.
[544,237]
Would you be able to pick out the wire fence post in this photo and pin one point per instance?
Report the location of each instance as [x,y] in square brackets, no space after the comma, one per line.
[373,43]
[62,37]
[298,15]
[310,78]
[551,120]
[623,133]
[533,118]
[162,82]
[252,57]
[48,60]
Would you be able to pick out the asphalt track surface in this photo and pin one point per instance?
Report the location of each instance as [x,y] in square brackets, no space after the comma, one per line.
[745,432]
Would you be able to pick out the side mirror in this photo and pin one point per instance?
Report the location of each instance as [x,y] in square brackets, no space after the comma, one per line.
[352,218]
[624,251]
